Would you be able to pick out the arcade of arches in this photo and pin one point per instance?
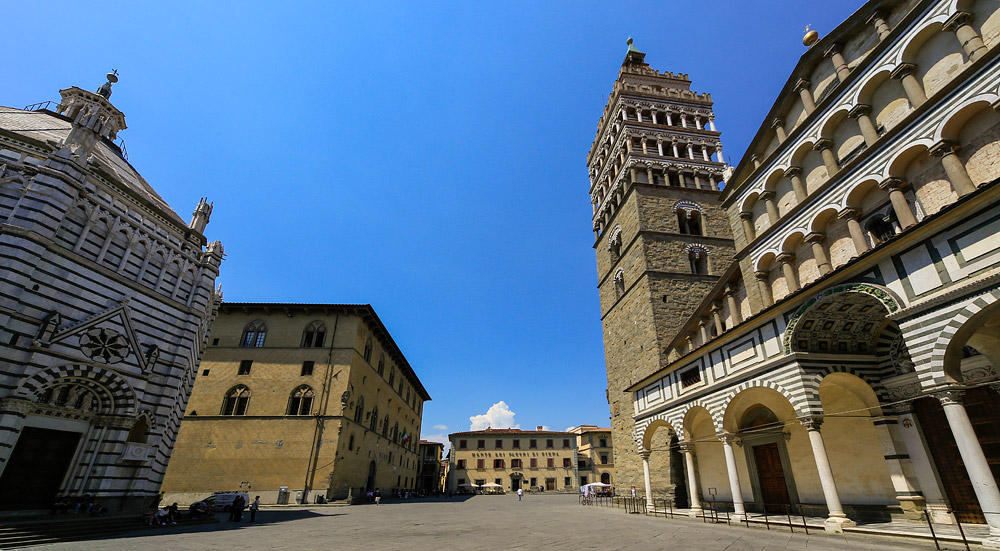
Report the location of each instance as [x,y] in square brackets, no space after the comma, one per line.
[831,433]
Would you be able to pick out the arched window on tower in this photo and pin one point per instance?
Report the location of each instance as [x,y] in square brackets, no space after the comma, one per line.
[314,335]
[698,258]
[615,243]
[620,282]
[373,422]
[237,401]
[254,334]
[689,218]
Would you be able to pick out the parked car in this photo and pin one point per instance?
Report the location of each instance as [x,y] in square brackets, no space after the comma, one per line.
[223,501]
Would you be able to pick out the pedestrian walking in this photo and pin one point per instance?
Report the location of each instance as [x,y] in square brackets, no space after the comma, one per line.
[520,493]
[378,496]
[254,507]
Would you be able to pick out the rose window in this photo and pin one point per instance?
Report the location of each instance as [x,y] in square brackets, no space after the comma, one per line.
[105,345]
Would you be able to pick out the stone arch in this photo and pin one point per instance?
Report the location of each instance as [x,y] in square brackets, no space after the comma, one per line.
[120,392]
[730,417]
[916,38]
[814,379]
[984,310]
[765,261]
[883,295]
[646,438]
[615,238]
[950,127]
[691,418]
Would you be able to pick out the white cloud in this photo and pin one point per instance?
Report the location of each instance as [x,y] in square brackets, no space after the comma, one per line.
[499,416]
[440,427]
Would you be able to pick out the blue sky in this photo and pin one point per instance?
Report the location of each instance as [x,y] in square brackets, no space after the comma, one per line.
[428,158]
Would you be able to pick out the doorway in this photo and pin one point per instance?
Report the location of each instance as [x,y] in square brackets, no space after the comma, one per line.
[36,468]
[515,483]
[983,406]
[771,476]
[370,483]
[550,484]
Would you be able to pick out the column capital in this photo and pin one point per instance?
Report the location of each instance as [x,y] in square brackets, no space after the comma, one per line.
[943,148]
[777,121]
[815,237]
[727,438]
[731,289]
[849,213]
[746,215]
[950,396]
[785,258]
[822,143]
[715,308]
[957,20]
[801,84]
[831,50]
[793,171]
[874,18]
[686,446]
[702,322]
[644,454]
[766,195]
[812,422]
[761,275]
[892,183]
[902,70]
[859,110]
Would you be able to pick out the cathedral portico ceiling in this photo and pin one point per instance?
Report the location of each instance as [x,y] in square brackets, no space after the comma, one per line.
[846,323]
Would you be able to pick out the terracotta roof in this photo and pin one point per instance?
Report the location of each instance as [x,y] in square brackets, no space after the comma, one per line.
[429,443]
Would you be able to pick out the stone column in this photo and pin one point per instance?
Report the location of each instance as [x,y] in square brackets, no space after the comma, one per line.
[765,288]
[957,175]
[837,520]
[653,113]
[718,151]
[697,122]
[794,174]
[914,91]
[704,154]
[659,147]
[644,454]
[861,112]
[670,119]
[628,143]
[787,261]
[815,239]
[690,152]
[825,148]
[703,330]
[674,146]
[638,114]
[975,461]
[878,22]
[899,205]
[755,159]
[684,122]
[745,218]
[772,210]
[645,150]
[711,124]
[734,307]
[967,36]
[779,128]
[687,448]
[719,329]
[802,87]
[734,476]
[649,175]
[854,227]
[839,65]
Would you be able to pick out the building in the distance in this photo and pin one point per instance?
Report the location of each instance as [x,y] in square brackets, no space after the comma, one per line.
[429,467]
[106,300]
[511,459]
[297,402]
[595,454]
[853,367]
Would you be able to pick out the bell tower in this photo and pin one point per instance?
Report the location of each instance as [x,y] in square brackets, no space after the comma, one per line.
[662,241]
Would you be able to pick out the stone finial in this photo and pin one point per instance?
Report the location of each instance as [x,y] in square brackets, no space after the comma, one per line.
[201,215]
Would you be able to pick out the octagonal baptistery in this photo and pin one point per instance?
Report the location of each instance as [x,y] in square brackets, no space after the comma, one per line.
[106,300]
[852,347]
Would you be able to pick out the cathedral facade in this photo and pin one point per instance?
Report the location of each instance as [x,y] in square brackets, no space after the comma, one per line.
[662,239]
[106,300]
[853,373]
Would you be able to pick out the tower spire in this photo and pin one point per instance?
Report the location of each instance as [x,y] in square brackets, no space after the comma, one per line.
[633,56]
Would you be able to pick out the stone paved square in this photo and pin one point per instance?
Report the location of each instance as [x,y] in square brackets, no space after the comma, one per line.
[482,522]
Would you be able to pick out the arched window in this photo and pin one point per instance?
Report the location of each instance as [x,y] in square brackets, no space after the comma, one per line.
[689,218]
[698,258]
[395,432]
[392,375]
[373,422]
[236,401]
[615,243]
[139,431]
[359,411]
[882,226]
[300,402]
[368,350]
[620,282]
[385,426]
[314,335]
[254,334]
